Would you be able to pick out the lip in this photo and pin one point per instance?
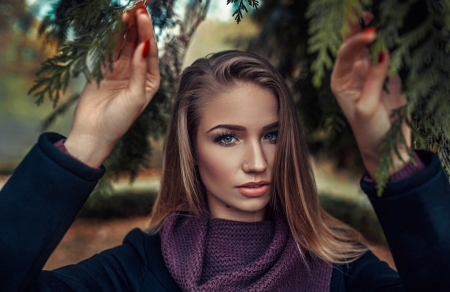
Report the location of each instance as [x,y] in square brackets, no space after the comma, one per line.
[248,189]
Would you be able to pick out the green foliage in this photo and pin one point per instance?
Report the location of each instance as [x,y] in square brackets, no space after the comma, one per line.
[325,22]
[389,147]
[88,45]
[285,43]
[326,25]
[415,32]
[241,7]
[85,33]
[302,39]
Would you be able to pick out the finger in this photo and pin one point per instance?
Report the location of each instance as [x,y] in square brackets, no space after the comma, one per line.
[367,17]
[126,17]
[131,39]
[144,24]
[138,71]
[119,36]
[353,23]
[146,32]
[138,78]
[153,59]
[373,88]
[120,42]
[350,50]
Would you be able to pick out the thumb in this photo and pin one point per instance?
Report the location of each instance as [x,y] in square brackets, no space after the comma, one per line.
[139,68]
[374,83]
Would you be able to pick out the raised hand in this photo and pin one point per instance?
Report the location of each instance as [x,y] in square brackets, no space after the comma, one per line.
[105,112]
[357,84]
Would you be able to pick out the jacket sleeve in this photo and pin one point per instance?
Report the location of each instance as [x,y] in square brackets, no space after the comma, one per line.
[122,268]
[415,216]
[37,205]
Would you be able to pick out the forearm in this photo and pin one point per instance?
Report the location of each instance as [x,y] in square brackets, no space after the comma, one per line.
[414,214]
[37,206]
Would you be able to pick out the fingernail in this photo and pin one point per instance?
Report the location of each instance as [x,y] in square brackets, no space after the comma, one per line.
[142,10]
[370,30]
[146,49]
[380,58]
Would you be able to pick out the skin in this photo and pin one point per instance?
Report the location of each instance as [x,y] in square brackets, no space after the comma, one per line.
[357,84]
[246,155]
[106,112]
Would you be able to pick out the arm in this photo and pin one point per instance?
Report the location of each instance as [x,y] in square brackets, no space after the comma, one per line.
[414,211]
[42,198]
[415,217]
[37,205]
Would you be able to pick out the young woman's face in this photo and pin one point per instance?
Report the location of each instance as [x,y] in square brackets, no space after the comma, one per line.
[236,145]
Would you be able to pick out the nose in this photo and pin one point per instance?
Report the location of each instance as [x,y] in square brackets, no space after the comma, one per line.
[255,160]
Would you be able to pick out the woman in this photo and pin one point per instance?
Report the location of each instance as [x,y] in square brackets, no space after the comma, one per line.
[238,208]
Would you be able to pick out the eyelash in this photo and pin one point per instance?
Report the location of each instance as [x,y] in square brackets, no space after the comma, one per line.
[276,136]
[219,138]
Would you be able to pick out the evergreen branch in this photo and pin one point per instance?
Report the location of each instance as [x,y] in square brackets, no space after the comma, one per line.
[444,155]
[59,111]
[389,147]
[253,3]
[326,25]
[237,14]
[56,71]
[94,24]
[353,10]
[390,21]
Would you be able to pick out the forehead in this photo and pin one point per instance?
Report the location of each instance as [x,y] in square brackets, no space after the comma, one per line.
[246,104]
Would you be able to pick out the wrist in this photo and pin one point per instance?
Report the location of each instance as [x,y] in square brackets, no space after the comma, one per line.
[88,149]
[372,162]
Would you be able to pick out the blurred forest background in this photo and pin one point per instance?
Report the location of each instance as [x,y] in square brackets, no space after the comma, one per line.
[273,31]
[23,51]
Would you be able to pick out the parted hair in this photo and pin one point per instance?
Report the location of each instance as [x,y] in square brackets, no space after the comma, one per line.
[294,193]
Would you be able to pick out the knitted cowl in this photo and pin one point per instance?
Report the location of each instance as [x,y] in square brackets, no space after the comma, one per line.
[205,254]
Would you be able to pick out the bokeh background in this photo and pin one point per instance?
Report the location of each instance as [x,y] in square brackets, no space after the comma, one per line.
[104,223]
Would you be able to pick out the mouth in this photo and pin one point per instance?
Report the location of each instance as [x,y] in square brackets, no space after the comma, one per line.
[254,189]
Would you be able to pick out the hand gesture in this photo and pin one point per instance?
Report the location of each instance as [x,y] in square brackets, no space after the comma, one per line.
[105,112]
[357,84]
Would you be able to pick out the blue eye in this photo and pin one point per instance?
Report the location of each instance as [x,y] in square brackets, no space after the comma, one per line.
[272,136]
[226,139]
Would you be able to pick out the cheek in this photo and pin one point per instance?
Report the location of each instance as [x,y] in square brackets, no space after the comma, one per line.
[215,167]
[269,153]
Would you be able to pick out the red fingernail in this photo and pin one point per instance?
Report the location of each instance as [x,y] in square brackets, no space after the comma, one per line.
[370,30]
[380,58]
[142,10]
[146,49]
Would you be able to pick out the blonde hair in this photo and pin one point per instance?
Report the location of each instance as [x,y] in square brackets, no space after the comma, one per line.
[295,195]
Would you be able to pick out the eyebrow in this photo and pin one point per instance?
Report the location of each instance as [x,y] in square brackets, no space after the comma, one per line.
[241,128]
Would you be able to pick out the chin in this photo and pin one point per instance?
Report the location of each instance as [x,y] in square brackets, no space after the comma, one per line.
[255,211]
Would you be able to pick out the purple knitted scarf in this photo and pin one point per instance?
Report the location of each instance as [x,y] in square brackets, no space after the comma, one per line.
[205,254]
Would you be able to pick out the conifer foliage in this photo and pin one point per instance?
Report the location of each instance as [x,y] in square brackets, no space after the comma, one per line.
[417,35]
[300,37]
[83,31]
[416,32]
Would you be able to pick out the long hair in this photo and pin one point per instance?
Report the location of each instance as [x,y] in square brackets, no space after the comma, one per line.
[293,188]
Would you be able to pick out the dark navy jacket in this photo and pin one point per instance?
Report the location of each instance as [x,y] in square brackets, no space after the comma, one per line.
[46,191]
